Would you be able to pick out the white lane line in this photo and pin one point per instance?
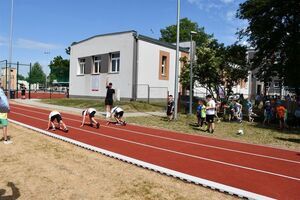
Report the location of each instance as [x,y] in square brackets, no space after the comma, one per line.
[172,151]
[204,182]
[183,141]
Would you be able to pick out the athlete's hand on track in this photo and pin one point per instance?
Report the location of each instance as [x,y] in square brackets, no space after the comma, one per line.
[81,125]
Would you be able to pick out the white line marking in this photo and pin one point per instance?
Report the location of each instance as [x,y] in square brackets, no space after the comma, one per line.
[175,152]
[183,141]
[204,182]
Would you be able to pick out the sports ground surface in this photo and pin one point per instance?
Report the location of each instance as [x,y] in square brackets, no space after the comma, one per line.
[246,170]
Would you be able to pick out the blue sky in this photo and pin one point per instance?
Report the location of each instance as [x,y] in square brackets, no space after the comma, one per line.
[51,25]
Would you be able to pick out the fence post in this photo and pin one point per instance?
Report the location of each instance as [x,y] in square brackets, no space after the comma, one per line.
[6,76]
[148,94]
[17,80]
[29,96]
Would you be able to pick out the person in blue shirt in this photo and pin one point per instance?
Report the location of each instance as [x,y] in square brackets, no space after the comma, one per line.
[201,112]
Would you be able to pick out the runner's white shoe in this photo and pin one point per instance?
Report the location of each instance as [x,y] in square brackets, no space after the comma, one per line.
[7,142]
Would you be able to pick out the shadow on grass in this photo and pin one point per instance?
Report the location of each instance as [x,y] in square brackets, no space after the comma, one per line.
[15,192]
[289,140]
[274,127]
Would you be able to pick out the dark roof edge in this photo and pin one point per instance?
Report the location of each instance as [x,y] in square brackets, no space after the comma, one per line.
[106,34]
[140,37]
[161,43]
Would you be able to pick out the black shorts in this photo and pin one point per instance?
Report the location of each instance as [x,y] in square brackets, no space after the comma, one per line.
[109,102]
[119,114]
[210,118]
[57,117]
[92,114]
[169,113]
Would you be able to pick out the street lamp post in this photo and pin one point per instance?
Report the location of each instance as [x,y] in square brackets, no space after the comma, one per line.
[177,62]
[191,72]
[10,47]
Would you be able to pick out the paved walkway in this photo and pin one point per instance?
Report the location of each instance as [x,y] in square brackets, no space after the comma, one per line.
[37,103]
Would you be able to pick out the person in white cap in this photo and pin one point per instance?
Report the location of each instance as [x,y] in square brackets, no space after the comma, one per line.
[91,113]
[55,115]
[117,113]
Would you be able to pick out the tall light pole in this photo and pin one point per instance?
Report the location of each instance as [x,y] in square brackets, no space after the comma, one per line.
[191,72]
[10,47]
[177,62]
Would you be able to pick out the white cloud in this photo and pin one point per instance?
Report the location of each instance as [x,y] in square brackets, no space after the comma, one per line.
[230,15]
[3,41]
[207,5]
[227,1]
[31,44]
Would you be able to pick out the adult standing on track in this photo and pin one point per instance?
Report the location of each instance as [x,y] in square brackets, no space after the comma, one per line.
[210,113]
[109,99]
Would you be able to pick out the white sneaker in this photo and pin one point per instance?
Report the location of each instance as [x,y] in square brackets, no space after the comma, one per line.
[7,142]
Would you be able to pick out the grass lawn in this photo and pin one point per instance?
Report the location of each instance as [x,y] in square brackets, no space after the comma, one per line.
[128,106]
[253,132]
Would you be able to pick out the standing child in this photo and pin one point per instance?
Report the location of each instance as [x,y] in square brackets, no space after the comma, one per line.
[91,113]
[250,113]
[210,113]
[4,123]
[201,113]
[267,113]
[170,107]
[280,112]
[118,113]
[55,115]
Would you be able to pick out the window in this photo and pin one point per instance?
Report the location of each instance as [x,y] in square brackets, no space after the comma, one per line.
[276,84]
[97,64]
[81,66]
[163,65]
[164,60]
[115,62]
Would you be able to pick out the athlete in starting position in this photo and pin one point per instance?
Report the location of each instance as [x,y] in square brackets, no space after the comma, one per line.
[117,112]
[91,113]
[56,115]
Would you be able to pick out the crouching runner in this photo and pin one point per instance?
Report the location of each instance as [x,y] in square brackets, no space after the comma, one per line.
[117,113]
[55,115]
[91,113]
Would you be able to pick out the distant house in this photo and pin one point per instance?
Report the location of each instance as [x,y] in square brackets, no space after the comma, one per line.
[138,66]
[13,78]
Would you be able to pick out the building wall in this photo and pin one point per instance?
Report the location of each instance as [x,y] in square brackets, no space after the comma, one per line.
[13,74]
[148,71]
[81,85]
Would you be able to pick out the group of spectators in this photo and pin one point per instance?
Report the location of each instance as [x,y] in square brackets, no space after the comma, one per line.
[284,111]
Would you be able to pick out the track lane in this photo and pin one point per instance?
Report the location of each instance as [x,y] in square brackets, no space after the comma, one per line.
[248,149]
[193,166]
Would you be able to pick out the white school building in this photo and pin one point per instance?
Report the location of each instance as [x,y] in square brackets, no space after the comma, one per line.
[138,66]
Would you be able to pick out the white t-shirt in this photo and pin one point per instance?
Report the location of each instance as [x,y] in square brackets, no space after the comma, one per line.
[212,110]
[89,110]
[116,110]
[54,112]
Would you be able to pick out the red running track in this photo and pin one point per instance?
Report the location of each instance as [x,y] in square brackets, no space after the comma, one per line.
[41,95]
[262,170]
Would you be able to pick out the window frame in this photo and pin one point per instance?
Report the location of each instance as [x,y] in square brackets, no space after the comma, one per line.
[98,61]
[163,67]
[81,62]
[117,61]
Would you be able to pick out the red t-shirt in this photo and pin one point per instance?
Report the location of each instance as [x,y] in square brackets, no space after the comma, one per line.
[280,111]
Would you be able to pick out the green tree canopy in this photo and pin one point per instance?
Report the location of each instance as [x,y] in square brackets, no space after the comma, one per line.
[59,69]
[37,74]
[169,33]
[274,31]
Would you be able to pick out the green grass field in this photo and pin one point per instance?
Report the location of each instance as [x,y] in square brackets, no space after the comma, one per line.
[128,106]
[253,132]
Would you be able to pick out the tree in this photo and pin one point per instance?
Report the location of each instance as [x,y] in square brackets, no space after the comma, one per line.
[274,31]
[169,33]
[37,74]
[217,68]
[59,69]
[21,77]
